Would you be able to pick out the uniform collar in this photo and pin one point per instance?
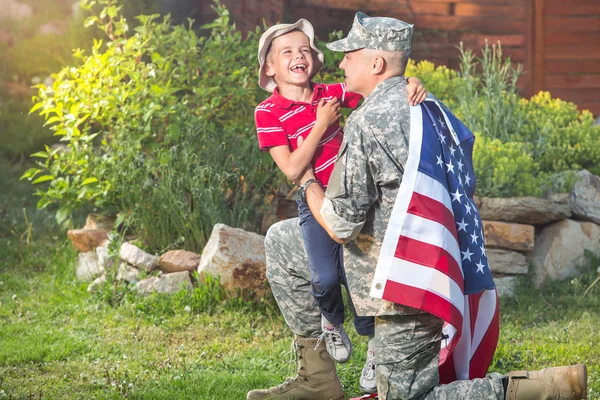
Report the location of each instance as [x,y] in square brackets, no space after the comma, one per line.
[383,87]
[282,102]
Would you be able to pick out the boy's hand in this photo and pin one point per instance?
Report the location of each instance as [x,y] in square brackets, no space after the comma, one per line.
[416,91]
[328,113]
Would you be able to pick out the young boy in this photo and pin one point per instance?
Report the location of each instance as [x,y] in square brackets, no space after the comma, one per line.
[302,112]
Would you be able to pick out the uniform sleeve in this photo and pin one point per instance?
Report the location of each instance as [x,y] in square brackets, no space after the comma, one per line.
[348,99]
[352,190]
[269,129]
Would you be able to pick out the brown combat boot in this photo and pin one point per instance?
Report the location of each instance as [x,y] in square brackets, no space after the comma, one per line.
[316,378]
[558,383]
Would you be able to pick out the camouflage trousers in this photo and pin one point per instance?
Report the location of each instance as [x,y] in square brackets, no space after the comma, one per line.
[406,346]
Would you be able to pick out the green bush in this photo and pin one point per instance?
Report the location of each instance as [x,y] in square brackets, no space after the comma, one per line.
[159,126]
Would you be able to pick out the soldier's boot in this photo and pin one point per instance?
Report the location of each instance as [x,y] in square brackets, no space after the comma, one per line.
[558,383]
[316,378]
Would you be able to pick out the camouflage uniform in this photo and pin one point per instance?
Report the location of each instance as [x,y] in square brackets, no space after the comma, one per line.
[359,200]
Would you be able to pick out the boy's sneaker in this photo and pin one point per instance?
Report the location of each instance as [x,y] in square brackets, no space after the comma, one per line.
[368,382]
[337,342]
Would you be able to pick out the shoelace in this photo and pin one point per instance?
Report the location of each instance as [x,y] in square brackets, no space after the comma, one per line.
[328,335]
[293,358]
[370,365]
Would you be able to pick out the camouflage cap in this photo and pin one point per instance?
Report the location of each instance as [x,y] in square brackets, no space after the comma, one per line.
[377,33]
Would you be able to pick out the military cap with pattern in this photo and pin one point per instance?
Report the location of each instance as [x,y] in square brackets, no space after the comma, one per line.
[377,33]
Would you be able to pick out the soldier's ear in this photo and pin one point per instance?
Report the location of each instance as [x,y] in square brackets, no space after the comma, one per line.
[377,65]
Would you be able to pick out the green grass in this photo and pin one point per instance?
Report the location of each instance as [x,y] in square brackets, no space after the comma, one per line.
[59,342]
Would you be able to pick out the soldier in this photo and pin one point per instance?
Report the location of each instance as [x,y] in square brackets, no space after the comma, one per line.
[355,211]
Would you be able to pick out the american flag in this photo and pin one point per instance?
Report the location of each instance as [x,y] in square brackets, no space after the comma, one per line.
[433,256]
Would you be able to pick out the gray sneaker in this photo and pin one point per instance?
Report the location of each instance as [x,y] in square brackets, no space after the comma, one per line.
[337,342]
[368,382]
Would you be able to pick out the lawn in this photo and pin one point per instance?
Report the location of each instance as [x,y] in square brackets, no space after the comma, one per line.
[57,341]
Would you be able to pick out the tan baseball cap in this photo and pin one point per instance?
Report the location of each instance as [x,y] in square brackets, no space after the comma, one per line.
[267,82]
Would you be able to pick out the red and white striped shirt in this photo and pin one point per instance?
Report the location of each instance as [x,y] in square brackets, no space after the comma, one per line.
[279,122]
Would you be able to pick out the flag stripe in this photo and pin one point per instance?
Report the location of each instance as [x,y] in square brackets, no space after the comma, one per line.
[430,256]
[431,209]
[422,277]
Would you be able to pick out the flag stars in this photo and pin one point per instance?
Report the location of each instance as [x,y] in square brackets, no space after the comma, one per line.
[467,254]
[462,226]
[456,196]
[452,150]
[439,161]
[468,207]
[467,179]
[442,138]
[480,266]
[483,251]
[450,167]
[474,237]
[476,220]
[460,165]
[442,123]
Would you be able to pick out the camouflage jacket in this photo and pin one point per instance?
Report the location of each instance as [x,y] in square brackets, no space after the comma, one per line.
[363,187]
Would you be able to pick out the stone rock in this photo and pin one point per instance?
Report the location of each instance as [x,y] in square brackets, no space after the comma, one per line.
[99,221]
[505,285]
[87,239]
[559,249]
[174,282]
[507,262]
[268,219]
[96,283]
[167,283]
[104,258]
[138,257]
[585,197]
[88,267]
[13,9]
[237,257]
[286,209]
[127,273]
[525,210]
[179,260]
[509,235]
[147,286]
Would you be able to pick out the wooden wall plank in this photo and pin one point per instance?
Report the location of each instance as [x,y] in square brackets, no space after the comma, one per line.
[593,107]
[572,52]
[573,24]
[560,81]
[485,10]
[453,23]
[561,9]
[591,66]
[538,45]
[571,38]
[576,95]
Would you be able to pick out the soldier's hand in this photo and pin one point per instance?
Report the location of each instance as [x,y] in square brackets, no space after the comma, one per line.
[416,91]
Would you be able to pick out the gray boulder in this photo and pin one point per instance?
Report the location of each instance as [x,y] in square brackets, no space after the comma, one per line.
[585,197]
[138,257]
[507,262]
[525,210]
[88,266]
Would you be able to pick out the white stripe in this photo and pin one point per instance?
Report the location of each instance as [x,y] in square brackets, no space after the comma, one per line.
[326,164]
[431,232]
[275,129]
[292,113]
[302,130]
[261,109]
[485,315]
[429,279]
[462,350]
[432,188]
[392,233]
[329,138]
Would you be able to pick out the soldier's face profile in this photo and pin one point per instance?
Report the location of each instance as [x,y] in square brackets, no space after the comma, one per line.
[356,71]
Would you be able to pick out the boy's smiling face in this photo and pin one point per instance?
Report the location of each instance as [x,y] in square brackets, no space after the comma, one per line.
[290,60]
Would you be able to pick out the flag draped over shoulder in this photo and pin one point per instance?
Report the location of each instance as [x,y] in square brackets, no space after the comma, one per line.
[433,256]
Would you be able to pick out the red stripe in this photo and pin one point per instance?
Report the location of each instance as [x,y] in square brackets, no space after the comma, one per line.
[483,355]
[446,371]
[473,304]
[431,256]
[433,210]
[423,300]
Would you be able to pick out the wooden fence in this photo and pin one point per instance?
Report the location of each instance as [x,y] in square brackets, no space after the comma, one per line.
[556,41]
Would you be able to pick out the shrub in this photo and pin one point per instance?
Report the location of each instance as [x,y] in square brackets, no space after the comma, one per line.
[160,126]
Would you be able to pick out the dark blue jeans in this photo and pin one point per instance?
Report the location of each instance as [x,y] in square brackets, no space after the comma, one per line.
[326,260]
